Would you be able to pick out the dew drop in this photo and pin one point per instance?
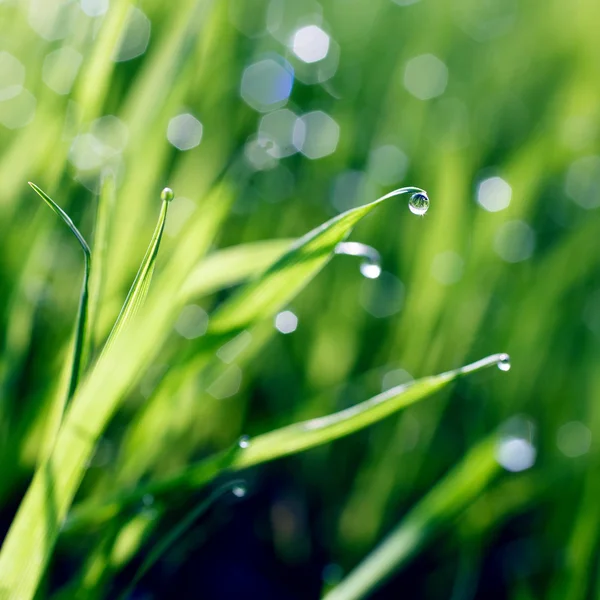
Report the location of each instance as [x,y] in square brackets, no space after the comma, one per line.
[244,441]
[370,269]
[167,195]
[418,203]
[504,363]
[239,491]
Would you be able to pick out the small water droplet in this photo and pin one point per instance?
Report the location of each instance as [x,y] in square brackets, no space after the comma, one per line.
[418,203]
[239,491]
[370,270]
[504,363]
[244,441]
[167,195]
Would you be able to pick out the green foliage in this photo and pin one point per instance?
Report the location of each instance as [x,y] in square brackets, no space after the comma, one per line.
[152,387]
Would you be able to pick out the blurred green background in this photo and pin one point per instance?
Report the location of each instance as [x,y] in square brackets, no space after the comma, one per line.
[309,109]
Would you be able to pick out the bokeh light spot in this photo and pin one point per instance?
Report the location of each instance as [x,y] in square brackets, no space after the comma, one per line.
[425,76]
[286,322]
[12,76]
[310,44]
[184,131]
[136,36]
[316,135]
[494,194]
[60,69]
[583,182]
[192,322]
[514,241]
[574,439]
[267,84]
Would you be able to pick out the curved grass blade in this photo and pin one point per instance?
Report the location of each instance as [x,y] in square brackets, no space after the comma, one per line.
[447,499]
[104,213]
[79,344]
[141,284]
[282,442]
[32,536]
[230,266]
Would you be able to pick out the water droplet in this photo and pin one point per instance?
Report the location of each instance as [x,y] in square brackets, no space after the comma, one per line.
[167,195]
[239,491]
[370,267]
[244,441]
[418,203]
[504,363]
[370,270]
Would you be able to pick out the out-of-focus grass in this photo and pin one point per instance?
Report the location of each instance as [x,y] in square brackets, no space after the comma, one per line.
[520,103]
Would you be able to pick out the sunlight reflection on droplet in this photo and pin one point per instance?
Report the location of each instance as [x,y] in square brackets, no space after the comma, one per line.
[192,322]
[267,84]
[310,44]
[494,194]
[12,76]
[514,241]
[286,322]
[316,135]
[136,36]
[184,131]
[60,69]
[425,76]
[447,267]
[18,111]
[574,439]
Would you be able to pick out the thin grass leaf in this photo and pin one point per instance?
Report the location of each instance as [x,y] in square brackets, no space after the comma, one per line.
[32,536]
[81,323]
[282,442]
[104,213]
[447,499]
[141,284]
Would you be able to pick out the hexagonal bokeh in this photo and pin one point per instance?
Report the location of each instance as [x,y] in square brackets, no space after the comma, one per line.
[278,127]
[60,69]
[425,76]
[310,44]
[184,131]
[12,76]
[267,84]
[316,134]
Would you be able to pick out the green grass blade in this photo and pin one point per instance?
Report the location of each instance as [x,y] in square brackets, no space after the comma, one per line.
[282,281]
[106,204]
[285,441]
[141,284]
[451,495]
[81,323]
[231,266]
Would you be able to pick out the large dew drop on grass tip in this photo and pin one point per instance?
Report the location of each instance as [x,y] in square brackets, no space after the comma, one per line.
[167,195]
[504,363]
[418,203]
[244,441]
[239,491]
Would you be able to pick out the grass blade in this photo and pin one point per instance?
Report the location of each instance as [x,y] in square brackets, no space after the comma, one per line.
[285,441]
[461,486]
[104,213]
[79,344]
[141,284]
